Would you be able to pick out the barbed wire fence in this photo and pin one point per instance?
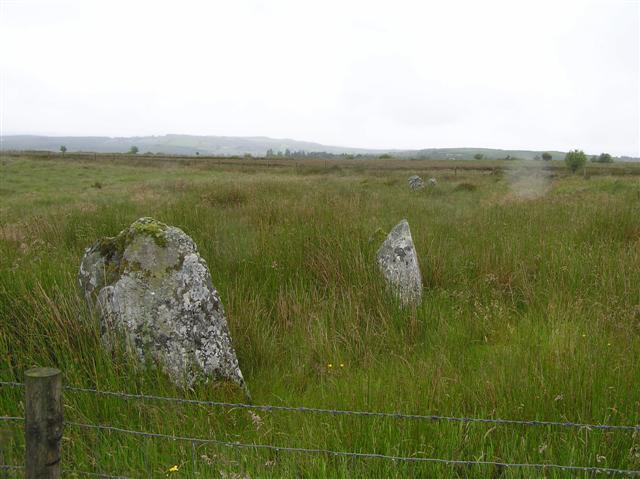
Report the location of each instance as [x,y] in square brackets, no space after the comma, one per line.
[327,452]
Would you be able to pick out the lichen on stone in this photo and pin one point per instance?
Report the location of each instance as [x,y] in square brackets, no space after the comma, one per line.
[150,285]
[398,262]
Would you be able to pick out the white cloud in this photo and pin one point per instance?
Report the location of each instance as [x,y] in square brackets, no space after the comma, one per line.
[404,74]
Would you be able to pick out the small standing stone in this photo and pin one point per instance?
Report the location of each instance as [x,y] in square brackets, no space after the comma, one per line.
[398,262]
[416,183]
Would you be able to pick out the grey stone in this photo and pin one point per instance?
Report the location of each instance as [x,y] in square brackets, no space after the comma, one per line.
[398,262]
[416,183]
[433,182]
[150,286]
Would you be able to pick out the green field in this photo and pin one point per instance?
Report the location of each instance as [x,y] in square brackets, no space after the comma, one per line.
[531,311]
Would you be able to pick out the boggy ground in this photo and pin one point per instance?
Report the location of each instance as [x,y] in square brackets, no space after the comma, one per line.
[531,311]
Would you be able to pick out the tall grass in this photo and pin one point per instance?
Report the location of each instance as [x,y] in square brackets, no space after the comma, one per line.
[531,310]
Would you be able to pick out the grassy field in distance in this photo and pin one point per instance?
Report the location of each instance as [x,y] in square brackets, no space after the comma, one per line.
[531,311]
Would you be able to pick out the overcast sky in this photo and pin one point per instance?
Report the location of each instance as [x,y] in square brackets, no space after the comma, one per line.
[390,74]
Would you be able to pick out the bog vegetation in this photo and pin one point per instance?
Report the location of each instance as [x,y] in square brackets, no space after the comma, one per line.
[531,311]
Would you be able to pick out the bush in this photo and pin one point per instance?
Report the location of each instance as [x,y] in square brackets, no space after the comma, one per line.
[605,158]
[575,160]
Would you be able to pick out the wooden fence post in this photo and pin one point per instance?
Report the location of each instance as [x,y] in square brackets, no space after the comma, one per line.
[4,438]
[43,422]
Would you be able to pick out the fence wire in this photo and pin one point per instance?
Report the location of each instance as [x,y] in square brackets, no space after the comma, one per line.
[94,474]
[327,452]
[10,467]
[11,418]
[343,412]
[359,455]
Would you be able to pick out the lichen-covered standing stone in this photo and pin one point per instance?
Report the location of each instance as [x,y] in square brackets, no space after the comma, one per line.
[398,262]
[150,286]
[416,183]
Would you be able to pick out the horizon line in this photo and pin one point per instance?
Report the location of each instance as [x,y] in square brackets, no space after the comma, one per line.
[381,150]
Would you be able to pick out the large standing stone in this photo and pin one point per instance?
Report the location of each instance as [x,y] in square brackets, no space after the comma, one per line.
[399,264]
[150,286]
[416,183]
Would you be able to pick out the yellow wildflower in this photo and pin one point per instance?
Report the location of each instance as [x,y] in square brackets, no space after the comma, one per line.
[174,468]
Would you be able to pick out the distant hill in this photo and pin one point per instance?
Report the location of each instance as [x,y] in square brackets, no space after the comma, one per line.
[238,146]
[172,144]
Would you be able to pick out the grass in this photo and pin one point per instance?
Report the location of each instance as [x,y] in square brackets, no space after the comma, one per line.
[531,311]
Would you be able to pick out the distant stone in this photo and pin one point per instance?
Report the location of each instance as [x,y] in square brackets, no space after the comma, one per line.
[433,182]
[398,262]
[416,183]
[150,287]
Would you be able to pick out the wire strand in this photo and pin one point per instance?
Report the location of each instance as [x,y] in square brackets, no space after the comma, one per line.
[11,418]
[95,474]
[193,440]
[343,412]
[361,455]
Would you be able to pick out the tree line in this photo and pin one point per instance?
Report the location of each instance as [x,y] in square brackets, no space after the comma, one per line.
[574,159]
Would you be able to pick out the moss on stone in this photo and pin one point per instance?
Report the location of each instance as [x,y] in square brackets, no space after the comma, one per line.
[112,248]
[108,247]
[149,227]
[112,271]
